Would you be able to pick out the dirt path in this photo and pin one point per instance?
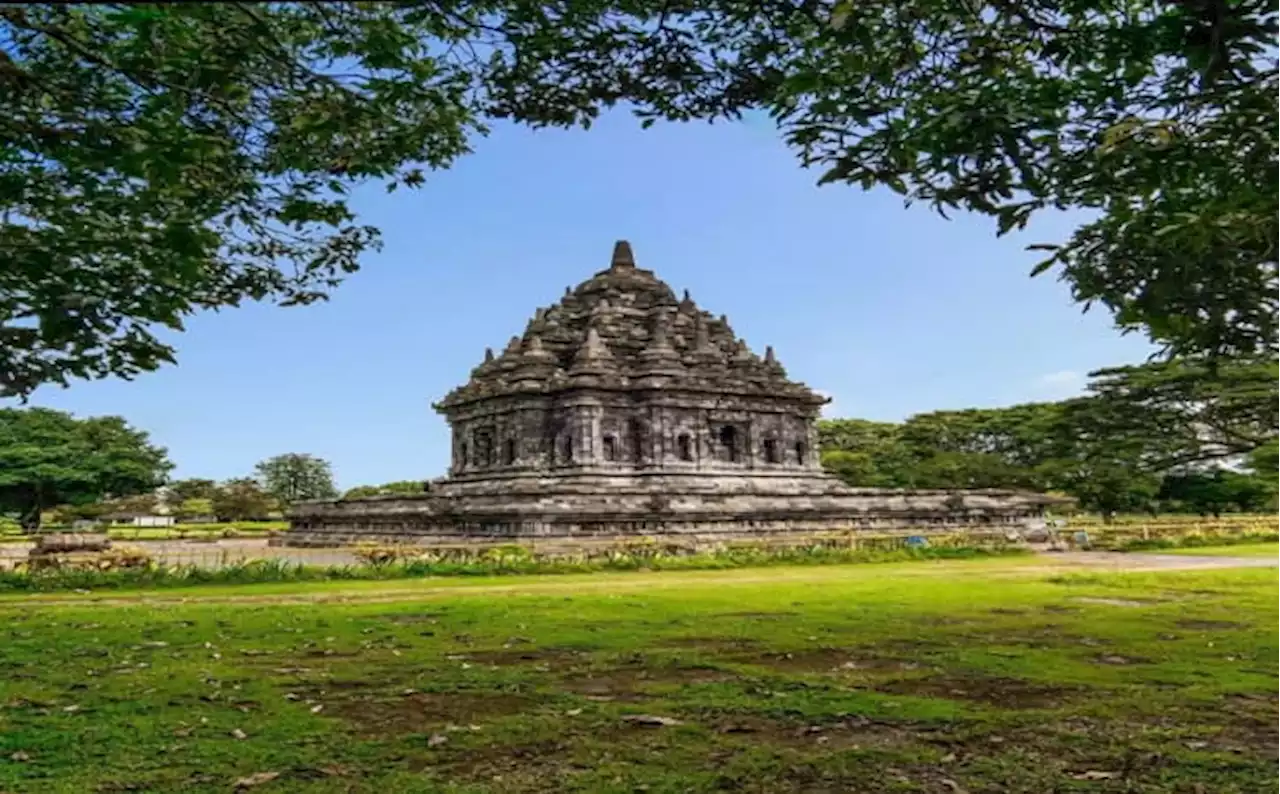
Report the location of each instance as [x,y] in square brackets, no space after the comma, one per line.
[427,589]
[1132,561]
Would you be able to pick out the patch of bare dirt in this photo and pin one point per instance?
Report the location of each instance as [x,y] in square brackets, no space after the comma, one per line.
[531,767]
[1117,659]
[913,647]
[412,618]
[1114,602]
[346,684]
[328,652]
[712,645]
[1252,725]
[1046,636]
[1207,625]
[550,657]
[630,683]
[942,620]
[854,733]
[1199,728]
[827,660]
[1009,693]
[419,712]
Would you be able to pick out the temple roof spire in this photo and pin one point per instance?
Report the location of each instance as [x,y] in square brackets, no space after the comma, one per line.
[658,354]
[701,336]
[622,256]
[593,349]
[534,351]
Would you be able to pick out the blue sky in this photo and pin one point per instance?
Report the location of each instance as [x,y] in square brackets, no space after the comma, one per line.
[890,311]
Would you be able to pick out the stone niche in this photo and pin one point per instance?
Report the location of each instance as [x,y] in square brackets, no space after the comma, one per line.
[625,410]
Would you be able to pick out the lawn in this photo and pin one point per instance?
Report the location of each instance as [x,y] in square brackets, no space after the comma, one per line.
[980,675]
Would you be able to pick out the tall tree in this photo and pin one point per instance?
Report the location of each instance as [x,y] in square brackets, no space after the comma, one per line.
[293,477]
[241,500]
[51,458]
[193,488]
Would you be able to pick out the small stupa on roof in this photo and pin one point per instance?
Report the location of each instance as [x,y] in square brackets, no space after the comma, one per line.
[624,410]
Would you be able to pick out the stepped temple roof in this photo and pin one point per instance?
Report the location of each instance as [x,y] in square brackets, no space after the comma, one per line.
[624,329]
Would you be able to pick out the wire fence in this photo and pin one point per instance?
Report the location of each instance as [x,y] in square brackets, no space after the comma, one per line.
[1158,529]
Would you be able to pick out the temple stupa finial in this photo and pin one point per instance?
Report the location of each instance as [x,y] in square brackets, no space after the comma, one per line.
[622,256]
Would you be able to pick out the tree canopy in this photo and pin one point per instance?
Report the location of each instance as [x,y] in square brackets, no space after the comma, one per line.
[1158,118]
[293,477]
[50,458]
[165,158]
[1183,411]
[193,488]
[241,499]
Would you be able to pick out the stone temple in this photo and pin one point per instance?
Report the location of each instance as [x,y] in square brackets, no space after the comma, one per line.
[625,411]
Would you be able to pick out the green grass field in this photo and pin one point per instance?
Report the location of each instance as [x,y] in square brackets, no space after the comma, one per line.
[959,676]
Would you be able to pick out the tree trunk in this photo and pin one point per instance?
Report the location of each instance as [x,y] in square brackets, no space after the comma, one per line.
[30,519]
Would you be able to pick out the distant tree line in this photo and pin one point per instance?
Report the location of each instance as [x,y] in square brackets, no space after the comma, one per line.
[52,462]
[398,488]
[1176,437]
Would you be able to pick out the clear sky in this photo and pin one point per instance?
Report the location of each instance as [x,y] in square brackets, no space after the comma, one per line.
[890,311]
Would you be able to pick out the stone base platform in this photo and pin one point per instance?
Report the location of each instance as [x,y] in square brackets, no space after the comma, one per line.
[695,507]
